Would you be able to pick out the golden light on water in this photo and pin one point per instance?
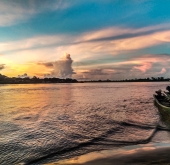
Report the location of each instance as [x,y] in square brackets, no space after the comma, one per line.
[106,156]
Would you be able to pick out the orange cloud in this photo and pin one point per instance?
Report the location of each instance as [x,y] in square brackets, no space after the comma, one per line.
[32,69]
[91,45]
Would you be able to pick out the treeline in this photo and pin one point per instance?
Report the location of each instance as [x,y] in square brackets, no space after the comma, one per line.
[155,79]
[152,79]
[16,80]
[27,80]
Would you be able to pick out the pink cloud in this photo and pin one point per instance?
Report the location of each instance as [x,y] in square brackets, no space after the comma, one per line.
[144,67]
[163,71]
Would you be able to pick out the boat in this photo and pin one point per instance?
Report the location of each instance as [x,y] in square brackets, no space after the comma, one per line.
[162,102]
[167,93]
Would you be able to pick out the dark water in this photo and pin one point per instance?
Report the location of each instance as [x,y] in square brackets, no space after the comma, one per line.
[50,122]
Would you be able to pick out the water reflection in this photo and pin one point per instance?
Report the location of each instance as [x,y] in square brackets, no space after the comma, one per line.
[45,122]
[156,153]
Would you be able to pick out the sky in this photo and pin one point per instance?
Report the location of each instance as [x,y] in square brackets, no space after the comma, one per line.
[85,39]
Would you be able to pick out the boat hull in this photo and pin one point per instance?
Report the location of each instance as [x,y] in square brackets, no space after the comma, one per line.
[161,107]
[168,94]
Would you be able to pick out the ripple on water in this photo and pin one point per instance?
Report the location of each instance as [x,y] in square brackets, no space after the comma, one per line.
[43,123]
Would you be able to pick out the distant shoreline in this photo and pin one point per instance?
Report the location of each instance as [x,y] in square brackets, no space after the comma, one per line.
[76,82]
[121,81]
[36,80]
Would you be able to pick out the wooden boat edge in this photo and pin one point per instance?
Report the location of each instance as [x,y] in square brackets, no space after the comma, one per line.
[159,105]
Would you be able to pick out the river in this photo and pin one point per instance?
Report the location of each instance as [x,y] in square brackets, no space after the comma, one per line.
[44,123]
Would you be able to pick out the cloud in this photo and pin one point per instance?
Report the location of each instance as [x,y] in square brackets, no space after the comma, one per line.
[48,75]
[13,12]
[149,65]
[116,33]
[144,67]
[163,71]
[23,76]
[96,74]
[112,72]
[63,67]
[116,36]
[33,43]
[91,45]
[46,64]
[2,66]
[106,49]
[122,40]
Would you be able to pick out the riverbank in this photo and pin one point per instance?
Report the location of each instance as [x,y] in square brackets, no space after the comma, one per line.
[152,153]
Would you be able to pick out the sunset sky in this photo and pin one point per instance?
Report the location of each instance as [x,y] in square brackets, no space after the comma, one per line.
[85,39]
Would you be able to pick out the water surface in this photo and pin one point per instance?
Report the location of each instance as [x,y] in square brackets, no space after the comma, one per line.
[43,123]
